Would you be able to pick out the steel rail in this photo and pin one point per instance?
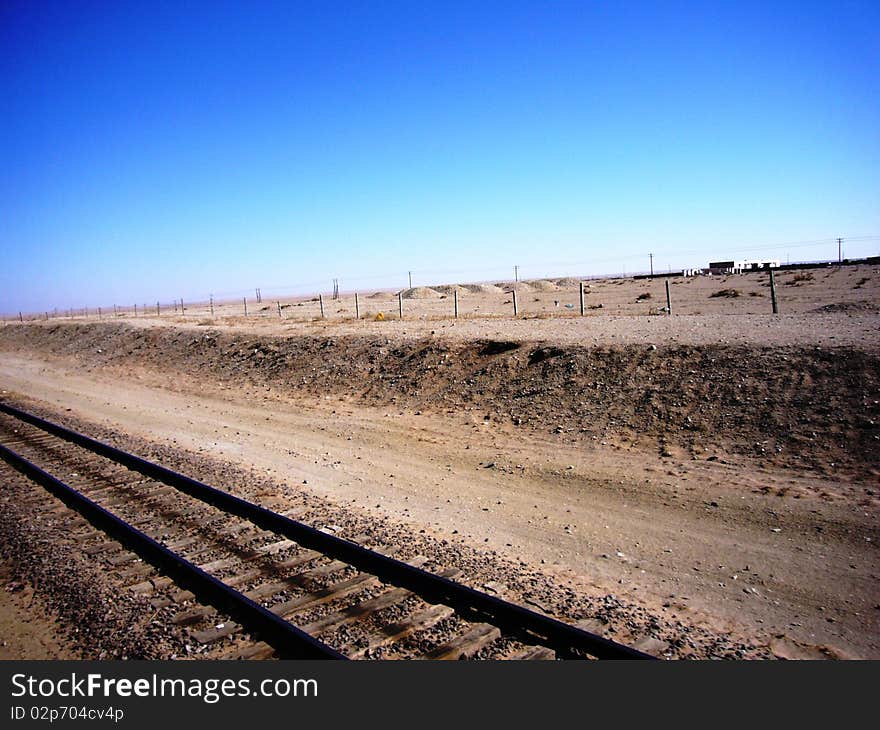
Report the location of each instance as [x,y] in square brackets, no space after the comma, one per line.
[566,639]
[287,640]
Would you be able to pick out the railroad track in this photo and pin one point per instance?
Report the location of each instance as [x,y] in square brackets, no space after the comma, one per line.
[256,583]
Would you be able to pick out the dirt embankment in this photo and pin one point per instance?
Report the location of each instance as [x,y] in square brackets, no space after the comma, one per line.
[798,407]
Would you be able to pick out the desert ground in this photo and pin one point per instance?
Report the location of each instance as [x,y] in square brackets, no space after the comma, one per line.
[711,474]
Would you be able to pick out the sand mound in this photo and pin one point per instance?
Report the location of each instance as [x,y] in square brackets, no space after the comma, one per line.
[379,295]
[543,285]
[482,288]
[520,286]
[420,292]
[566,281]
[450,289]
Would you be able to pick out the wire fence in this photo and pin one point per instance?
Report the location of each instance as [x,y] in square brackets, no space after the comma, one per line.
[293,294]
[542,298]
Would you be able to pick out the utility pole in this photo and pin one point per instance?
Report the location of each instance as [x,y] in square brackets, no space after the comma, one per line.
[839,250]
[410,279]
[516,273]
[651,257]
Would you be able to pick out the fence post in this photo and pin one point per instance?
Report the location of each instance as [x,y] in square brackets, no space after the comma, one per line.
[157,309]
[357,311]
[514,303]
[212,305]
[20,318]
[135,310]
[99,314]
[773,293]
[279,309]
[182,309]
[321,303]
[244,299]
[582,297]
[400,304]
[668,299]
[455,300]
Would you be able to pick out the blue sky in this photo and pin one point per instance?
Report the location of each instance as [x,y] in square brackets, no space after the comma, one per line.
[162,150]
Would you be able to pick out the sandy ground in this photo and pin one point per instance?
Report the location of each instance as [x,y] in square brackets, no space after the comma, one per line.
[786,556]
[28,627]
[701,537]
[851,328]
[555,303]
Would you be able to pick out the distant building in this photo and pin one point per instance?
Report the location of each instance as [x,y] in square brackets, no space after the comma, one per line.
[738,267]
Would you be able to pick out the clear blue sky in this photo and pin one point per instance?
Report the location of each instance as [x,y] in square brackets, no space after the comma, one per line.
[155,150]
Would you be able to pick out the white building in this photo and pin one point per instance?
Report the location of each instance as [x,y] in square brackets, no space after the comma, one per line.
[738,267]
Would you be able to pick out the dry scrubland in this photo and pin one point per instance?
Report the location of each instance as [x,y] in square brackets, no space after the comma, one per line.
[852,288]
[714,472]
